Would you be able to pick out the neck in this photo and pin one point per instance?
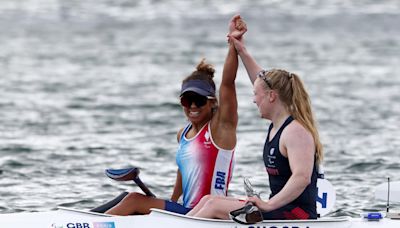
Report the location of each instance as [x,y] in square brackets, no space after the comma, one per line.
[279,117]
[198,126]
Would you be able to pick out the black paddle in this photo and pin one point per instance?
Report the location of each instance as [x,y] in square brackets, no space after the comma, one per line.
[127,174]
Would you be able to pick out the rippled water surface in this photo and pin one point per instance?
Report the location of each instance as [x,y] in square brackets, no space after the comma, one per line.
[88,85]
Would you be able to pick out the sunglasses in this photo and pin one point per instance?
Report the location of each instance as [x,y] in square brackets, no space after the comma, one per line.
[199,101]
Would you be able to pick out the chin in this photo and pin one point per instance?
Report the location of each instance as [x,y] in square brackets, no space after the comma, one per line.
[263,116]
[193,119]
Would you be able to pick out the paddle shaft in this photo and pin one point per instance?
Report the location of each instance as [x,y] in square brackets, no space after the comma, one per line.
[143,187]
[388,196]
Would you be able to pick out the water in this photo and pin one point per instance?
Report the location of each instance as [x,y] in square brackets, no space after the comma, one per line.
[88,85]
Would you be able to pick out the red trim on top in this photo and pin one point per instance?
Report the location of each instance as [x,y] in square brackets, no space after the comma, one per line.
[229,174]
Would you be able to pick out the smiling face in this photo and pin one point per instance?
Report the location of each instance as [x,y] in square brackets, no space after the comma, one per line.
[197,108]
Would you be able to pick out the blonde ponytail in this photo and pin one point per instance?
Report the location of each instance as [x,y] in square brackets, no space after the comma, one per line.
[301,111]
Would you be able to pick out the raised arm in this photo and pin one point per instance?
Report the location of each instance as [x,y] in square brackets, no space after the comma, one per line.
[225,122]
[249,62]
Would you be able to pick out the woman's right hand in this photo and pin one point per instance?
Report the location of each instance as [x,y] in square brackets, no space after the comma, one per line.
[237,27]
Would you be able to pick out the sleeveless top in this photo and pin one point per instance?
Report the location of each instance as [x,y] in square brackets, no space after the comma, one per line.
[205,167]
[279,171]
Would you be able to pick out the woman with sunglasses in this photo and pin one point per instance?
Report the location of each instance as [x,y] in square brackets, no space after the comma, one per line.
[206,145]
[291,152]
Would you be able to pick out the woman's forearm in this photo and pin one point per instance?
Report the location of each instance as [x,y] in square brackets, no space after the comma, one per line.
[250,64]
[293,189]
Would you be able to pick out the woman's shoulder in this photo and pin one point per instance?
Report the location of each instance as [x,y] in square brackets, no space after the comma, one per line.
[179,133]
[296,130]
[296,139]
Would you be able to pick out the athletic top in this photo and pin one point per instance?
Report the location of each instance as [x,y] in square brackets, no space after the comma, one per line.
[279,172]
[205,168]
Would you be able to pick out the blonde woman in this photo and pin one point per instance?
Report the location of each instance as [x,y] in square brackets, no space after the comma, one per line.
[292,148]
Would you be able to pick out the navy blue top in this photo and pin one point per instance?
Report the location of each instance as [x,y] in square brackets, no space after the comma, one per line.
[279,171]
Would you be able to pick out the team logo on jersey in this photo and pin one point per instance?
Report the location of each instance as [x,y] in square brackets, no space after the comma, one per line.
[207,136]
[272,151]
[207,142]
[271,157]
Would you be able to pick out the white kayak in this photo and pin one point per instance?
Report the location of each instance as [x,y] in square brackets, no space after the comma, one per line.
[71,218]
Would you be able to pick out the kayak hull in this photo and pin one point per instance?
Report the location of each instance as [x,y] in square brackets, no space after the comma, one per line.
[70,218]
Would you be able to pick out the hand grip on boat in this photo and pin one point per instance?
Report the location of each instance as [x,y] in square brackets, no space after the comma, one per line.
[249,214]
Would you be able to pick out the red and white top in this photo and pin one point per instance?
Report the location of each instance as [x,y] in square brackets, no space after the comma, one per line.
[205,167]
